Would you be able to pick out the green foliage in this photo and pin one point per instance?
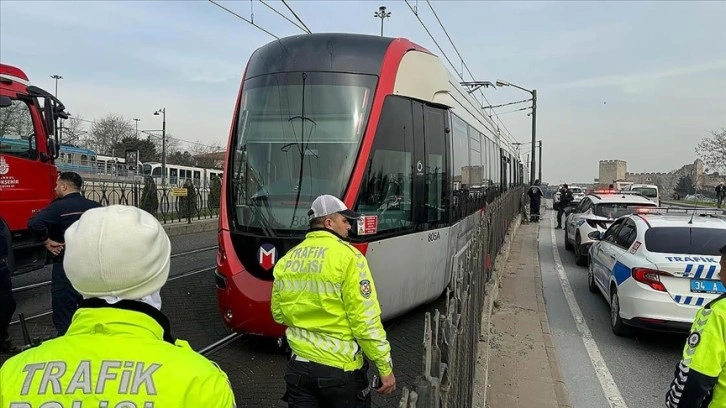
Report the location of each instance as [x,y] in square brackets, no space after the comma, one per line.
[215,191]
[188,205]
[685,186]
[149,197]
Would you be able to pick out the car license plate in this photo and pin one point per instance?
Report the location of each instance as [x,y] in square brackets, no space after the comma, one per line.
[707,286]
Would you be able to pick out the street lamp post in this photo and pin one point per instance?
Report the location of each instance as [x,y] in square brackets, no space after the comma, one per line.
[56,77]
[533,92]
[382,14]
[60,127]
[137,127]
[163,144]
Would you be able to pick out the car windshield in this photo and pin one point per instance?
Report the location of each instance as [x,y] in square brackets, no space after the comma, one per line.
[617,210]
[685,240]
[649,192]
[576,190]
[297,137]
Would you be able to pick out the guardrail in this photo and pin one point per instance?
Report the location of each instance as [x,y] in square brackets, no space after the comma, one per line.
[451,338]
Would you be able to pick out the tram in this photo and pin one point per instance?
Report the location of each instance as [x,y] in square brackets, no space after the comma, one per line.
[382,124]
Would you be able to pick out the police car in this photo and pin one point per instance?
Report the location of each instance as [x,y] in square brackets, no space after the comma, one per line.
[657,267]
[596,212]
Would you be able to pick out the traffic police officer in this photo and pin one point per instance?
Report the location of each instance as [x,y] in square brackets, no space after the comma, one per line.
[119,351]
[49,225]
[700,378]
[324,292]
[566,198]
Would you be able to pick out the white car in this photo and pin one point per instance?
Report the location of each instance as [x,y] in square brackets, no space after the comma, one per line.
[596,212]
[649,190]
[578,193]
[657,267]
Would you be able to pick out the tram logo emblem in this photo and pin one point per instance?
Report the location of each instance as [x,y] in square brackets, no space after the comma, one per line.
[4,167]
[267,256]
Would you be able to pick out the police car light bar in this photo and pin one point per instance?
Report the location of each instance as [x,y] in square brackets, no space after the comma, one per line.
[674,210]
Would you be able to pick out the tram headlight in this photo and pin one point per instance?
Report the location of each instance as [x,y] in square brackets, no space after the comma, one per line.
[228,314]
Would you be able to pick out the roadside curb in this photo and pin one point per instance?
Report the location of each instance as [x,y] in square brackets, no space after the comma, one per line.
[481,374]
[196,226]
[563,399]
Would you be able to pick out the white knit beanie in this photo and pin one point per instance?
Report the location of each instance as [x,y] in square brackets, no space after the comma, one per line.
[117,250]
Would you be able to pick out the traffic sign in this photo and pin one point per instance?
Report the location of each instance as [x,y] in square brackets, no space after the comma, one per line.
[178,192]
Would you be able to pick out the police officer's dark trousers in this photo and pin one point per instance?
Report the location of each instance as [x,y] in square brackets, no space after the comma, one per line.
[7,302]
[64,298]
[534,205]
[560,213]
[315,385]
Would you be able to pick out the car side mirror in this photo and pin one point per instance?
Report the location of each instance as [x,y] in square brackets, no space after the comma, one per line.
[596,235]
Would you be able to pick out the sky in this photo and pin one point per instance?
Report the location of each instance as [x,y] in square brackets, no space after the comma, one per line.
[635,81]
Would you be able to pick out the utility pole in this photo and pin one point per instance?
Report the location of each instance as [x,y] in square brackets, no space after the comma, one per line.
[163,145]
[540,161]
[533,92]
[137,127]
[382,14]
[534,137]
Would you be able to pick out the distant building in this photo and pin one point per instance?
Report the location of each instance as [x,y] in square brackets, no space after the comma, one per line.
[612,171]
[213,160]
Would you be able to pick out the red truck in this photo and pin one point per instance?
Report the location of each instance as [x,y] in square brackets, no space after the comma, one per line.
[29,146]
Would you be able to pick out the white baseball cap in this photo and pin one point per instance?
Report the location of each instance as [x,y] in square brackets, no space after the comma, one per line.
[119,250]
[327,205]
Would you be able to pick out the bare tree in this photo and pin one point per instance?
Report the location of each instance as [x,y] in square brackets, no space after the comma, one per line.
[16,122]
[198,149]
[107,132]
[712,150]
[73,129]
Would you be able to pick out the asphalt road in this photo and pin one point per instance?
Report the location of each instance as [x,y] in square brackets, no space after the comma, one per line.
[641,366]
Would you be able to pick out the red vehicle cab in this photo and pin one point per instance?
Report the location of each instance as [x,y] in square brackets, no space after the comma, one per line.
[28,147]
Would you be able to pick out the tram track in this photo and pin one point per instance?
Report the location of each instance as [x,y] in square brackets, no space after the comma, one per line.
[36,285]
[47,312]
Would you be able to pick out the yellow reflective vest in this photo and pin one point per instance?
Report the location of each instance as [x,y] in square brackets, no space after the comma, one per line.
[700,377]
[324,293]
[113,358]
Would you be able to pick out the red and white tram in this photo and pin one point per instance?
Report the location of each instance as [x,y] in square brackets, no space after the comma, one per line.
[376,121]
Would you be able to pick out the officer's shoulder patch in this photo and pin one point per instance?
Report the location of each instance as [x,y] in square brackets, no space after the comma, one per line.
[365,288]
[693,339]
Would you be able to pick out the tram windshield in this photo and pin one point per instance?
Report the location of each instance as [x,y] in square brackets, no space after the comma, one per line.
[297,137]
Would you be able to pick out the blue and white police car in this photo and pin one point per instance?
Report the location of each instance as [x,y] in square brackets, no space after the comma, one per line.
[657,267]
[596,212]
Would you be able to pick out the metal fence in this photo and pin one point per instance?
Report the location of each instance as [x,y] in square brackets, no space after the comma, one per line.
[168,208]
[451,339]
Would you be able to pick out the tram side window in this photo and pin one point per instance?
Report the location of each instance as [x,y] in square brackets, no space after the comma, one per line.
[17,135]
[460,151]
[386,184]
[436,174]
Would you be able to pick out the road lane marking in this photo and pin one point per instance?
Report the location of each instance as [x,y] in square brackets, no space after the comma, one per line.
[609,388]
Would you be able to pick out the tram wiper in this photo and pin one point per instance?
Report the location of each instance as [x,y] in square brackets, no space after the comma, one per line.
[302,145]
[260,215]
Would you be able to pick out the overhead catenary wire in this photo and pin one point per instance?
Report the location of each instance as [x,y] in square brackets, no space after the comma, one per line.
[465,67]
[296,16]
[285,17]
[242,18]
